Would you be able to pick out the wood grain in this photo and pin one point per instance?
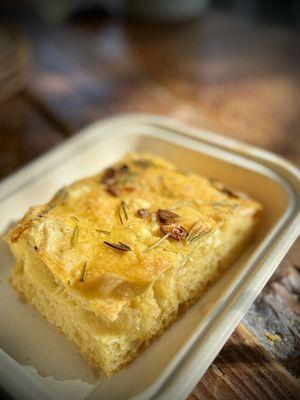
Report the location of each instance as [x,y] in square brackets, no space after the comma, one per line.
[244,370]
[277,311]
[219,73]
[24,134]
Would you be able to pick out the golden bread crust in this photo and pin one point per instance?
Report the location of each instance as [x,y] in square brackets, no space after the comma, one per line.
[69,232]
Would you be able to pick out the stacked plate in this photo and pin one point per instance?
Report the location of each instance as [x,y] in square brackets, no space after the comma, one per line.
[14,57]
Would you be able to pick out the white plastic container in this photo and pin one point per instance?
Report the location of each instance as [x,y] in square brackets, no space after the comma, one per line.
[36,362]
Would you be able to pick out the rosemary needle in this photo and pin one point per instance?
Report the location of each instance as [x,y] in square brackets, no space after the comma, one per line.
[158,242]
[74,236]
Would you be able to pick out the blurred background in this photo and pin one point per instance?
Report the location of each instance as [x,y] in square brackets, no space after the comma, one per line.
[228,65]
[231,66]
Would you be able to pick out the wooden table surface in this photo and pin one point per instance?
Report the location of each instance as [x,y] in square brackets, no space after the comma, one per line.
[221,73]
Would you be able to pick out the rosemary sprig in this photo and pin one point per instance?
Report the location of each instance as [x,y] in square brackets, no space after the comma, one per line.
[122,212]
[156,244]
[83,272]
[58,199]
[128,177]
[190,255]
[143,163]
[118,246]
[74,236]
[103,231]
[123,205]
[197,232]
